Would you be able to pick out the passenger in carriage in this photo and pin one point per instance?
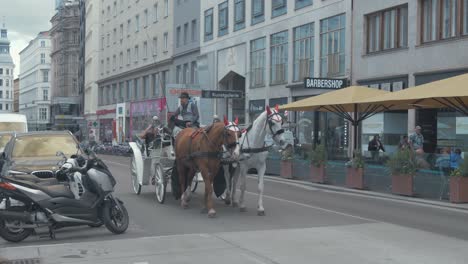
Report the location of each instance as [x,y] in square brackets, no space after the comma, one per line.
[189,112]
[150,133]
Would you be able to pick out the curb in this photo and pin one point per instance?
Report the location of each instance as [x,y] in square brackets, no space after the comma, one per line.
[462,207]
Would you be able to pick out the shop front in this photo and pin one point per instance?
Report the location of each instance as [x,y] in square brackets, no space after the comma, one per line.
[120,114]
[106,120]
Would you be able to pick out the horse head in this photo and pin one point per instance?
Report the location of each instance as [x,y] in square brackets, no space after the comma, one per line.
[275,126]
[231,138]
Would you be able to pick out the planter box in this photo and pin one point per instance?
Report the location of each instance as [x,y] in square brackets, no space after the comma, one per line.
[286,169]
[402,185]
[318,174]
[459,189]
[355,178]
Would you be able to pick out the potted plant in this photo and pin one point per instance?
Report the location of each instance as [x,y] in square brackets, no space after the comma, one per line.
[318,159]
[355,171]
[287,163]
[403,167]
[459,184]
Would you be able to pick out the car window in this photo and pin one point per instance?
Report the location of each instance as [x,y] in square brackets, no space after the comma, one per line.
[43,146]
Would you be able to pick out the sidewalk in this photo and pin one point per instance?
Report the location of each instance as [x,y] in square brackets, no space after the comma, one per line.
[298,183]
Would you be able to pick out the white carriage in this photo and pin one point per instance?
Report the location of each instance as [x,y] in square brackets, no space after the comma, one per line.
[153,164]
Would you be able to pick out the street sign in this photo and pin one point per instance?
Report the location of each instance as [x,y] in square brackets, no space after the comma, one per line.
[322,83]
[221,94]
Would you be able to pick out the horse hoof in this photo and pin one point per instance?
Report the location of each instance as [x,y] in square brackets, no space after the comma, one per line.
[235,205]
[204,211]
[212,214]
[243,209]
[261,213]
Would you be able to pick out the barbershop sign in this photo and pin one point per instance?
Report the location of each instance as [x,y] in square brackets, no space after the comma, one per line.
[321,83]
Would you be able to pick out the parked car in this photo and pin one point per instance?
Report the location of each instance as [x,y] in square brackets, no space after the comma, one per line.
[32,156]
[13,122]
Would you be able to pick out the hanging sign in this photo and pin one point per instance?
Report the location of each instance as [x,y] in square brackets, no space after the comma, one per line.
[322,83]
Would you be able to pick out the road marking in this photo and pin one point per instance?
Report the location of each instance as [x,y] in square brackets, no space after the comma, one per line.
[317,208]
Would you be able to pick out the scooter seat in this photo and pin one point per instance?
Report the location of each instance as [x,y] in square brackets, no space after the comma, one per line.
[34,179]
[57,191]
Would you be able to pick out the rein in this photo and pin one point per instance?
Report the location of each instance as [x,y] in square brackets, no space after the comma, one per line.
[264,148]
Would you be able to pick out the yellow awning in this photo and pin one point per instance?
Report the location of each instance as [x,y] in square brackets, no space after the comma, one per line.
[450,92]
[344,100]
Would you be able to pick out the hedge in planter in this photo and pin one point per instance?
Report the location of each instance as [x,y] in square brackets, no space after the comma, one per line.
[355,171]
[403,168]
[459,184]
[318,159]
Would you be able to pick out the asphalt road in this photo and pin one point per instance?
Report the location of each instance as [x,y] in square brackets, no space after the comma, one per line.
[301,224]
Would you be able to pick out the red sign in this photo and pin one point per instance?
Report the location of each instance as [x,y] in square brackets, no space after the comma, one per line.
[105,111]
[192,92]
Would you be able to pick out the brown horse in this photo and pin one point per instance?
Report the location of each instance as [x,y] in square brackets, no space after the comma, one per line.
[202,149]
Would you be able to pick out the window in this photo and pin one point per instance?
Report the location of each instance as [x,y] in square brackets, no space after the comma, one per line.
[279,58]
[1,82]
[136,93]
[42,59]
[108,12]
[387,29]
[440,19]
[7,94]
[166,40]
[258,11]
[45,95]
[186,74]
[45,76]
[166,8]
[115,35]
[1,106]
[121,92]
[102,67]
[102,43]
[121,32]
[129,24]
[209,24]
[1,94]
[114,93]
[178,37]
[304,52]
[129,89]
[303,3]
[136,53]
[186,32]
[146,18]
[1,71]
[7,106]
[155,84]
[137,23]
[239,14]
[223,19]
[121,60]
[129,57]
[155,13]
[179,74]
[108,39]
[145,50]
[114,62]
[155,46]
[115,8]
[257,62]
[7,83]
[194,30]
[194,73]
[108,65]
[42,114]
[42,44]
[101,96]
[332,47]
[278,7]
[146,87]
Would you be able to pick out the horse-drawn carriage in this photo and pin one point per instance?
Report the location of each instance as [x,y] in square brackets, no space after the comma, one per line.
[153,164]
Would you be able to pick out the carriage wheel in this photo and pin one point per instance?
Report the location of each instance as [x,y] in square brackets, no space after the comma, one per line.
[136,185]
[160,183]
[195,182]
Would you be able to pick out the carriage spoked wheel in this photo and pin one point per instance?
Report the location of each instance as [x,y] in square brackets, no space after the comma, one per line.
[160,183]
[136,185]
[195,182]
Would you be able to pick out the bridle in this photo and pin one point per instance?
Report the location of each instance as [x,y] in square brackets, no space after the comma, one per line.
[271,122]
[229,148]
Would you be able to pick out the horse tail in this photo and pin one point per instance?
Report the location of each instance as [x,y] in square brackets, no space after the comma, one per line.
[175,184]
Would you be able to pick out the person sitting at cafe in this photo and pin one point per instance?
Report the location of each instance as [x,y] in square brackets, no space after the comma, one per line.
[375,145]
[404,143]
[455,159]
[443,159]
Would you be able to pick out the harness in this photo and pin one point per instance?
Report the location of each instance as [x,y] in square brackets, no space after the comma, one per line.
[265,148]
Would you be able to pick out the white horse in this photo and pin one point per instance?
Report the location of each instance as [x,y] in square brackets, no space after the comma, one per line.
[254,153]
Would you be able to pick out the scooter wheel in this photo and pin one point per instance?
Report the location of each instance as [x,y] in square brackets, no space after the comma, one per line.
[116,220]
[14,235]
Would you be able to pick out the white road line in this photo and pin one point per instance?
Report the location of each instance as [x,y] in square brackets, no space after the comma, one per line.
[317,208]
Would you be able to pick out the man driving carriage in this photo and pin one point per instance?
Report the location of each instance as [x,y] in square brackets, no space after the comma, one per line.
[189,112]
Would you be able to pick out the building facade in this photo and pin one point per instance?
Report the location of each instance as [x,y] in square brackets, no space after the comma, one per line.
[184,69]
[400,44]
[65,108]
[7,68]
[34,79]
[265,49]
[16,85]
[136,49]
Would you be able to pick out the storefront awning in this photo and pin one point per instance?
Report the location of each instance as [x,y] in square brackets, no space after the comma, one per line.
[447,93]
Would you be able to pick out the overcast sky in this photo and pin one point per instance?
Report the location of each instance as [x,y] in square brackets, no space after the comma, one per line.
[24,19]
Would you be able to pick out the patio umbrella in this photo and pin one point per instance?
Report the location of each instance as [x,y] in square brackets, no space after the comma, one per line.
[447,93]
[342,102]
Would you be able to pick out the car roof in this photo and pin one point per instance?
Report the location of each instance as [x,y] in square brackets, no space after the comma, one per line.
[48,132]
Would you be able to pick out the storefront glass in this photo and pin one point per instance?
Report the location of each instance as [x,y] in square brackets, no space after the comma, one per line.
[141,114]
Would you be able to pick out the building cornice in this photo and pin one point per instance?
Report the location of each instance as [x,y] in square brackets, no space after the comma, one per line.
[129,73]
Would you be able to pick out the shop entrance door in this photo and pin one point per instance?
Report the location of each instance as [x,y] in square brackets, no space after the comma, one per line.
[427,119]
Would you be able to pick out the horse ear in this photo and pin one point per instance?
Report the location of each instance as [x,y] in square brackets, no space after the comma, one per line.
[236,121]
[226,122]
[268,110]
[277,108]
